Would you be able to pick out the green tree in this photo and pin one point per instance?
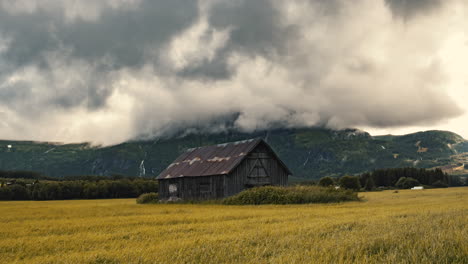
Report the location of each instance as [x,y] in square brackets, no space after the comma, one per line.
[350,182]
[19,192]
[5,193]
[370,184]
[439,184]
[406,183]
[326,181]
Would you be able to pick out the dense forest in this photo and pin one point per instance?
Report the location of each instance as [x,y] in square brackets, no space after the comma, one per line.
[391,177]
[402,178]
[23,185]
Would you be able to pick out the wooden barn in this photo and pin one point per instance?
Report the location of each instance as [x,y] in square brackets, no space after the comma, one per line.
[222,170]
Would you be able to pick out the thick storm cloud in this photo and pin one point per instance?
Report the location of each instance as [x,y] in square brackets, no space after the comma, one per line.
[109,71]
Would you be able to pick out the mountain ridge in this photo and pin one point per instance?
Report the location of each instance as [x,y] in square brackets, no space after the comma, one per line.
[309,152]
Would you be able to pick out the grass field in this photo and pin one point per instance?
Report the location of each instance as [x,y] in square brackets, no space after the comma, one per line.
[429,226]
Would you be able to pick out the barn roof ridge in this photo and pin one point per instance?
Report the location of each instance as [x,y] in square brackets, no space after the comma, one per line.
[221,159]
[225,144]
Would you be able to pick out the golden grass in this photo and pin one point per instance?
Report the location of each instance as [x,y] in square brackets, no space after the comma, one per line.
[429,226]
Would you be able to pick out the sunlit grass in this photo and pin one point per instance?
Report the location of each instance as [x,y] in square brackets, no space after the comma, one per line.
[429,226]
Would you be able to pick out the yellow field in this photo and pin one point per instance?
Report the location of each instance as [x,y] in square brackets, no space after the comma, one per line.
[429,226]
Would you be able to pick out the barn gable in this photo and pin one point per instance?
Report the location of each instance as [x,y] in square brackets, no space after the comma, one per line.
[222,170]
[259,168]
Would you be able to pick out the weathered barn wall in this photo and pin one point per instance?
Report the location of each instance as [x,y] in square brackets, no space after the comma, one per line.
[222,170]
[249,173]
[193,188]
[203,188]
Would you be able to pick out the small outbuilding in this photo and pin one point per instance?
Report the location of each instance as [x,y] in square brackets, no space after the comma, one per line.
[222,170]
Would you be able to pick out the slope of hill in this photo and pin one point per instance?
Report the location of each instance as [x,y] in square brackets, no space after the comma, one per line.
[310,153]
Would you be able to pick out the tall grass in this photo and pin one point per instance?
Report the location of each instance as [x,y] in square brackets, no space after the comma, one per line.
[426,226]
[291,195]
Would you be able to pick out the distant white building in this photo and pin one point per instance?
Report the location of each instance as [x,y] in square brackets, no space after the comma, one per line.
[417,188]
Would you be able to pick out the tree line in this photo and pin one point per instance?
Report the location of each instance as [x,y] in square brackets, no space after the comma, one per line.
[76,187]
[390,177]
[403,178]
[25,175]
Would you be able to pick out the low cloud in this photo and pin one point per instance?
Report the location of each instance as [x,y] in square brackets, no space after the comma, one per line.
[116,70]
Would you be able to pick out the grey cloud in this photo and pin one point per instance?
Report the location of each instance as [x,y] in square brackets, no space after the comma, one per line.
[255,29]
[121,35]
[256,25]
[117,39]
[238,64]
[14,93]
[407,9]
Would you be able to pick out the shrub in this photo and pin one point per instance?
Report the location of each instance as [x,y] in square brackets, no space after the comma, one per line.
[406,183]
[290,195]
[147,198]
[326,182]
[370,184]
[439,184]
[307,183]
[5,193]
[19,192]
[350,182]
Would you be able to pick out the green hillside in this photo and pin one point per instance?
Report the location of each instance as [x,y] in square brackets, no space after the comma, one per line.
[310,153]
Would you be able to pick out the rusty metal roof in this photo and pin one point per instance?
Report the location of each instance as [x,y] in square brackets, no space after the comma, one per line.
[218,159]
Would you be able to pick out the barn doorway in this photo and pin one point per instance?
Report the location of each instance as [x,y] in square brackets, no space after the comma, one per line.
[258,175]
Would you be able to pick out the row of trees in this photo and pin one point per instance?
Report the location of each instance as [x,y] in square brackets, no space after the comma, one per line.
[403,178]
[76,189]
[24,175]
[389,177]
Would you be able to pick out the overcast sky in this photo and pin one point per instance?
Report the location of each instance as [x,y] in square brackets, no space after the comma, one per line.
[111,70]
